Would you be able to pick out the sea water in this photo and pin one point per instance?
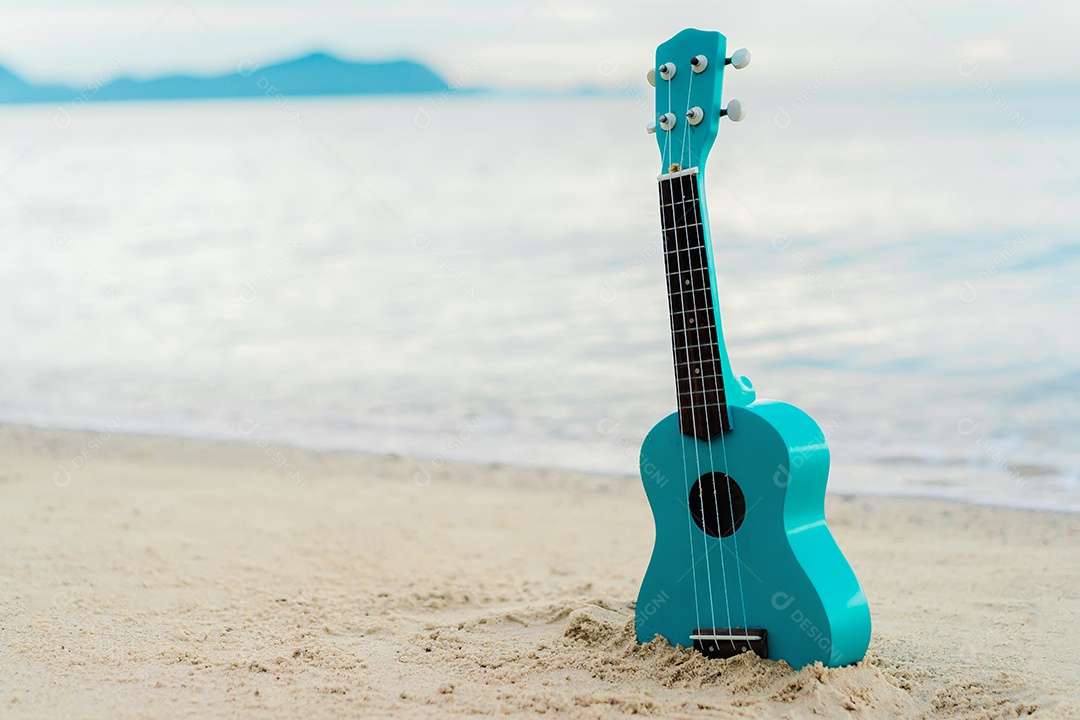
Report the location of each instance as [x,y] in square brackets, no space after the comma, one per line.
[480,278]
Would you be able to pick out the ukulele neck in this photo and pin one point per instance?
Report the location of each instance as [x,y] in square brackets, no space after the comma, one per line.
[703,376]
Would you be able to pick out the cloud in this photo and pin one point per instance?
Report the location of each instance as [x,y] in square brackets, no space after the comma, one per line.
[550,42]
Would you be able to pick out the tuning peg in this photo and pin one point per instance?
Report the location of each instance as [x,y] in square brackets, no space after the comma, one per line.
[651,77]
[667,121]
[651,128]
[667,71]
[739,59]
[698,63]
[695,115]
[734,111]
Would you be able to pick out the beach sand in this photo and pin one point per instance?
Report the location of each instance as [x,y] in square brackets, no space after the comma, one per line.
[154,577]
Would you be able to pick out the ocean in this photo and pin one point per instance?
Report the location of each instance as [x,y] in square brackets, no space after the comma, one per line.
[479,278]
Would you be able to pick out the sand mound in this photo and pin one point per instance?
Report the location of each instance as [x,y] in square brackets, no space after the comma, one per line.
[173,579]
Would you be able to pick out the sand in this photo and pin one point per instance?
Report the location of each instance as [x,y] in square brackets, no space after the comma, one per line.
[150,577]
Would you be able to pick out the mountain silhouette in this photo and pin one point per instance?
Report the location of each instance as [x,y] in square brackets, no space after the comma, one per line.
[315,74]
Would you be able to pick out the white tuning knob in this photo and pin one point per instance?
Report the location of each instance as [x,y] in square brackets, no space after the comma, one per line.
[667,121]
[695,115]
[651,77]
[698,63]
[735,111]
[667,71]
[739,59]
[651,128]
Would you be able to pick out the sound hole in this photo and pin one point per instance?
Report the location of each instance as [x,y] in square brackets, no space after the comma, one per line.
[717,504]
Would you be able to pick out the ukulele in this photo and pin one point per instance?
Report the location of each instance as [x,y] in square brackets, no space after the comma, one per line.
[743,559]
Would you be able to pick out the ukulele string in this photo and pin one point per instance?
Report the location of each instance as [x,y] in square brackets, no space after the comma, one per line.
[722,407]
[686,126]
[667,135]
[671,313]
[705,284]
[689,519]
[717,373]
[682,220]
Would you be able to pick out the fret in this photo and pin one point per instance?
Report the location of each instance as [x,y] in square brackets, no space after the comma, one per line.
[711,380]
[694,275]
[688,221]
[694,335]
[703,423]
[691,301]
[696,348]
[703,389]
[693,263]
[677,250]
[710,343]
[690,361]
[676,246]
[691,289]
[680,200]
[688,400]
[706,329]
[691,226]
[699,390]
[680,214]
[697,369]
[680,186]
[691,275]
[689,283]
[703,403]
[700,320]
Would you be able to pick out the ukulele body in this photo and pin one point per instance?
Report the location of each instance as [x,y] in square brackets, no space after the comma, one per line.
[795,583]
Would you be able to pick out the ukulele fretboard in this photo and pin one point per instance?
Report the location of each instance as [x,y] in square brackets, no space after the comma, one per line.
[699,378]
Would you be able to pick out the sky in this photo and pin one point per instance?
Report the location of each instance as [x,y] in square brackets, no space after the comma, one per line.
[551,43]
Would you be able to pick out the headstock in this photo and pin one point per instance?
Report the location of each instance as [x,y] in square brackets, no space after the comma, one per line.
[688,78]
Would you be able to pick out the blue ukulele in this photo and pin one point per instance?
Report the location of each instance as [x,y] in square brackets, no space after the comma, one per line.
[743,559]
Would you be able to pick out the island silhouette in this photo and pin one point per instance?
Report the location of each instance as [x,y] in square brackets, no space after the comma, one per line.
[315,74]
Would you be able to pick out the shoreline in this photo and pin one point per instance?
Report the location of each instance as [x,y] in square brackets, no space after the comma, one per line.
[187,578]
[289,450]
